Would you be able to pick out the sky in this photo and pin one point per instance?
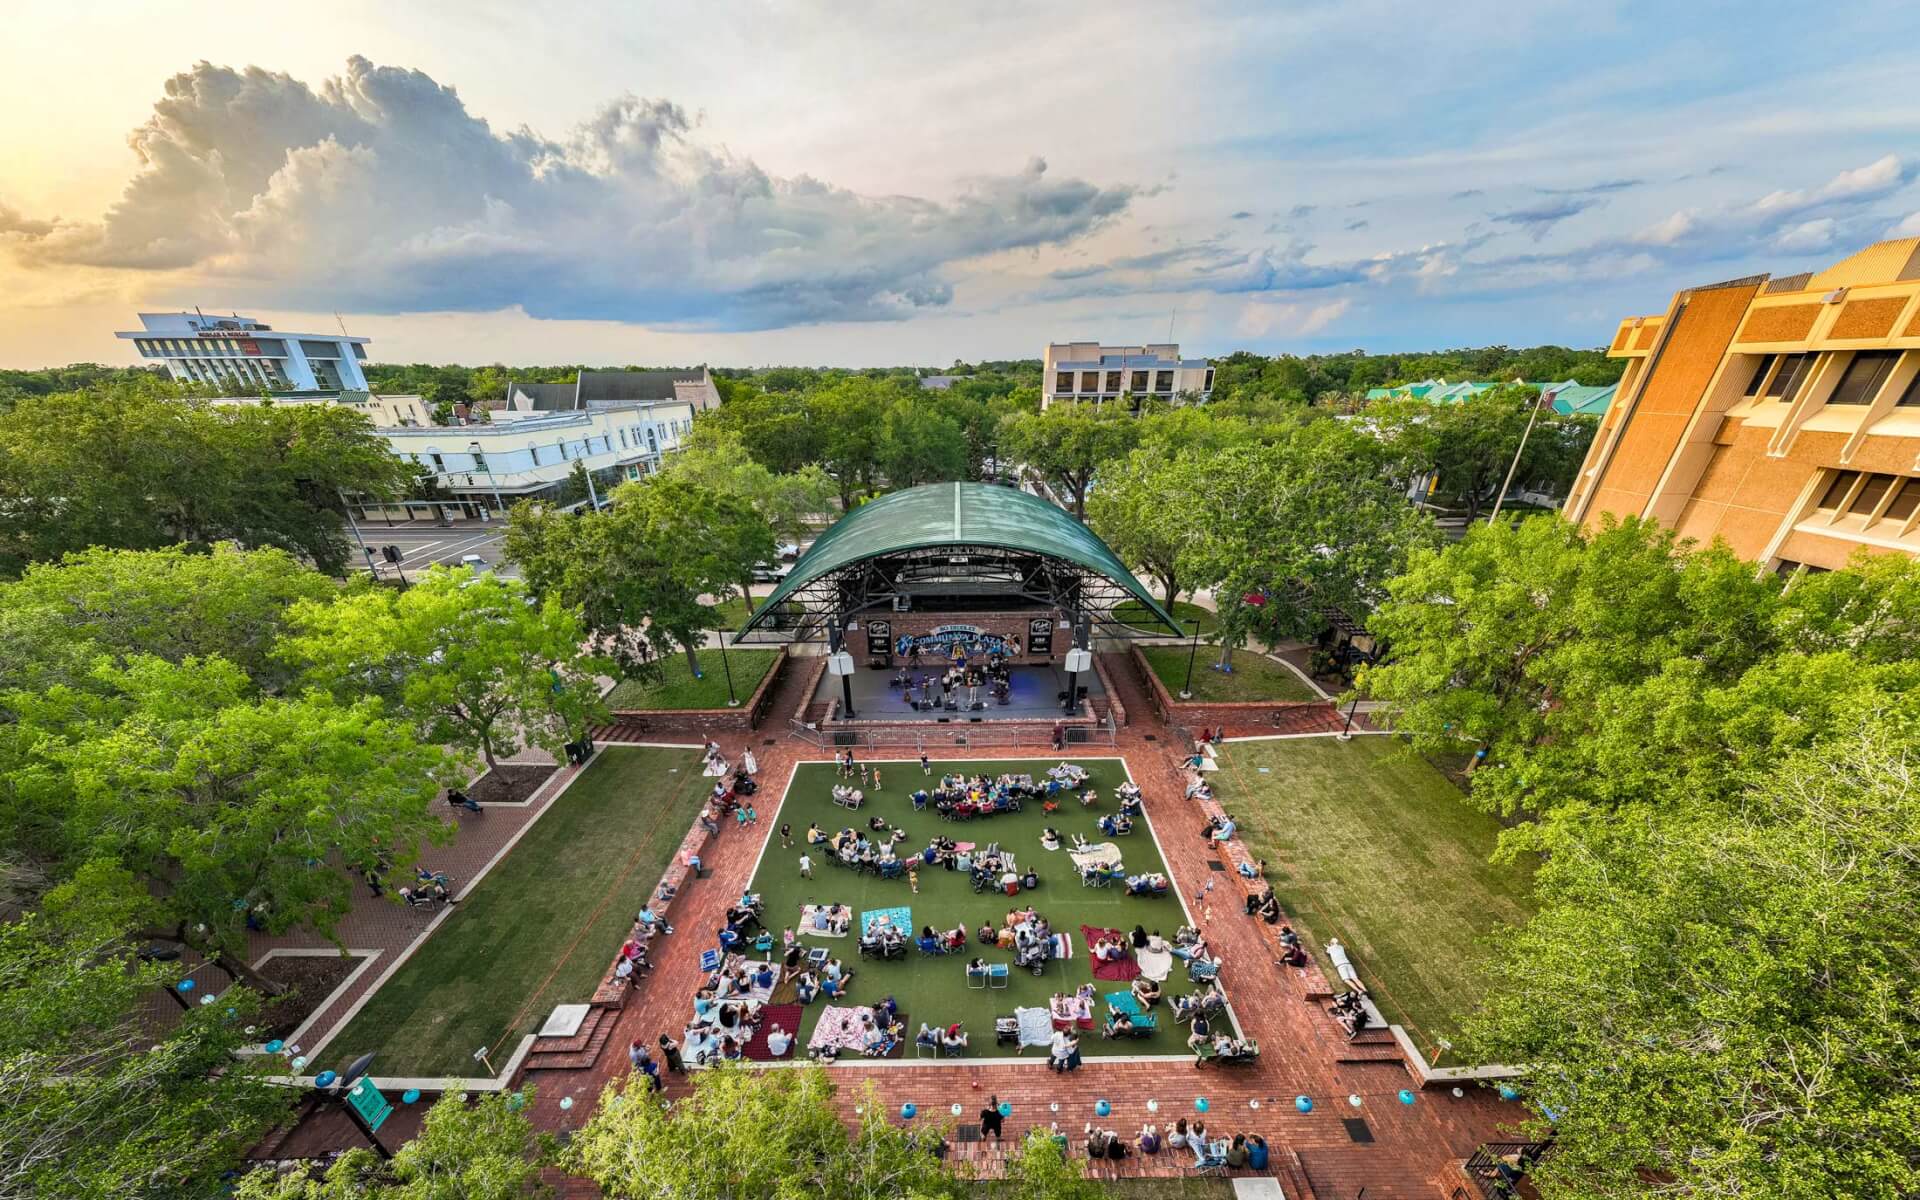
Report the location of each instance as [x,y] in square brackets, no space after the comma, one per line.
[857,182]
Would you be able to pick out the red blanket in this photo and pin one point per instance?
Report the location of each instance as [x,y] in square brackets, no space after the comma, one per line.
[1125,968]
[787,1017]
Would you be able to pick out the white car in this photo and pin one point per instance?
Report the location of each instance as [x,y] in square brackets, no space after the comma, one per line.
[474,561]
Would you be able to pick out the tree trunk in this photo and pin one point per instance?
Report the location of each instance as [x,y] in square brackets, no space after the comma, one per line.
[247,975]
[1172,590]
[746,596]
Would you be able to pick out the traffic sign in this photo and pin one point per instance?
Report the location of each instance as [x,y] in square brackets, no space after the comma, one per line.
[369,1104]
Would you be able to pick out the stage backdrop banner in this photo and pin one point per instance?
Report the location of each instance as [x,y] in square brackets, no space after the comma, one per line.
[879,639]
[1040,637]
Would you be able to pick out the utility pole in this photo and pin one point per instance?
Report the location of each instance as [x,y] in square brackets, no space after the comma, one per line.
[372,569]
[1515,464]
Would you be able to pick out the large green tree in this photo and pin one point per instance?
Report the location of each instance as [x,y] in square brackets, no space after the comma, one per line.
[920,444]
[1471,444]
[467,1149]
[745,1135]
[228,809]
[470,658]
[1295,526]
[1719,998]
[1068,444]
[94,1103]
[139,466]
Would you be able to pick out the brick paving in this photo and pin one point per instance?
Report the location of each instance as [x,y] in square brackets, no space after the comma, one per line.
[1415,1150]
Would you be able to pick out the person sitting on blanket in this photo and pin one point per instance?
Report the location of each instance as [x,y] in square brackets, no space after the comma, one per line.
[1030,880]
[764,977]
[1107,950]
[1119,1024]
[779,1041]
[1049,838]
[1146,991]
[806,986]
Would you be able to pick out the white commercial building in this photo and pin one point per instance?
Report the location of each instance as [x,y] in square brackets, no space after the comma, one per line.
[1075,372]
[237,351]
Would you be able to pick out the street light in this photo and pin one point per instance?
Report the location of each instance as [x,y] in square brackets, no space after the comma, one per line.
[1193,648]
[355,526]
[732,701]
[480,457]
[1346,735]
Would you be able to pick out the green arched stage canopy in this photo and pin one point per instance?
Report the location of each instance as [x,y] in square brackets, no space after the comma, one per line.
[955,543]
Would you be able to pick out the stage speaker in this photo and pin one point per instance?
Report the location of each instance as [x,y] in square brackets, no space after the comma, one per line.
[974,720]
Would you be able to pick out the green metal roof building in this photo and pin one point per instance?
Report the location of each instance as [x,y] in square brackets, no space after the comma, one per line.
[1566,398]
[952,547]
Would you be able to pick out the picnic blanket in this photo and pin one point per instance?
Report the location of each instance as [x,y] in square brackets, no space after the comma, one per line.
[900,917]
[787,1017]
[1126,968]
[1155,964]
[1036,1026]
[1066,1011]
[1099,854]
[698,1050]
[763,994]
[810,930]
[787,991]
[839,1029]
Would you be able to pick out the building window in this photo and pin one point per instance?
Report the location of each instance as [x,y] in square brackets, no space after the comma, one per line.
[1793,372]
[1902,505]
[1868,497]
[439,464]
[479,459]
[563,449]
[1113,382]
[533,448]
[1163,381]
[1861,381]
[1090,381]
[1911,397]
[1209,383]
[1837,490]
[1760,373]
[623,439]
[1139,383]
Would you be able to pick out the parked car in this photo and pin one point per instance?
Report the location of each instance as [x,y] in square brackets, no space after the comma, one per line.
[772,573]
[474,561]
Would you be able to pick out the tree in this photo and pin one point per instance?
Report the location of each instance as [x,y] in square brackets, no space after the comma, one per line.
[1722,997]
[745,1134]
[227,810]
[94,1104]
[1296,526]
[918,444]
[1042,1170]
[139,466]
[1143,512]
[168,603]
[848,414]
[635,572]
[468,657]
[717,459]
[1471,444]
[467,1149]
[1067,444]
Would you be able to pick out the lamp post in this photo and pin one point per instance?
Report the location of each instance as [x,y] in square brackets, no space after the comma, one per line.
[732,701]
[480,457]
[355,526]
[840,662]
[1193,648]
[1346,735]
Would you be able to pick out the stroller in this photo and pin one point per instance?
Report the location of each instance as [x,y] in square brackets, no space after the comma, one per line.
[1034,956]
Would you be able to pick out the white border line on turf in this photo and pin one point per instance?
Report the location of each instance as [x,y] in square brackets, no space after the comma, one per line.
[1288,737]
[367,958]
[1158,847]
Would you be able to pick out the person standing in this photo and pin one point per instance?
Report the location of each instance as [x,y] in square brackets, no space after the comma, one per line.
[786,835]
[990,1118]
[876,777]
[670,1050]
[913,880]
[748,761]
[806,866]
[926,768]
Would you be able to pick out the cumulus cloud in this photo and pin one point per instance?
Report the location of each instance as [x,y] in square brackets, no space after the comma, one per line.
[1909,226]
[1875,179]
[1806,237]
[1262,318]
[379,190]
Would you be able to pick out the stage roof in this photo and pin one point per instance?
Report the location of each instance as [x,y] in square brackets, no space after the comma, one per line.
[958,514]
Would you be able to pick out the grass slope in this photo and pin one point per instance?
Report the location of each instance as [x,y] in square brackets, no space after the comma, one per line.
[1255,676]
[934,989]
[679,689]
[1371,845]
[541,927]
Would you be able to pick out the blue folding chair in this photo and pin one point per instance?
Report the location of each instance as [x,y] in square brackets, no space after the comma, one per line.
[709,960]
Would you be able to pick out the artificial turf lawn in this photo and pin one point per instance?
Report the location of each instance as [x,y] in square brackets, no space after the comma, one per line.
[1255,677]
[935,990]
[679,689]
[541,927]
[1369,844]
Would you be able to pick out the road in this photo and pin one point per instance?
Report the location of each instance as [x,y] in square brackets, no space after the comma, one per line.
[423,544]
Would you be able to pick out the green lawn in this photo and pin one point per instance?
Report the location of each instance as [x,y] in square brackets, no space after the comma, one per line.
[730,613]
[1135,613]
[541,927]
[934,989]
[1368,844]
[681,690]
[1254,677]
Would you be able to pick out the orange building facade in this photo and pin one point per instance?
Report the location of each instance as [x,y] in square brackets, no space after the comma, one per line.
[1780,415]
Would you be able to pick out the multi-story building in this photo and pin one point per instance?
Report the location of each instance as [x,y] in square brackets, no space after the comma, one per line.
[1781,415]
[1075,372]
[237,351]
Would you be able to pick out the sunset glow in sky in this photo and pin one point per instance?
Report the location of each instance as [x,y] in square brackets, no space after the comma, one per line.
[872,183]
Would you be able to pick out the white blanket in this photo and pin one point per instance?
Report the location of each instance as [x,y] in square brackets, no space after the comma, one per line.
[809,930]
[1036,1026]
[1155,965]
[1099,854]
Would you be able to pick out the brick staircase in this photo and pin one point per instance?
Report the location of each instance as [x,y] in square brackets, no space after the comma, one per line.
[579,1052]
[1374,1044]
